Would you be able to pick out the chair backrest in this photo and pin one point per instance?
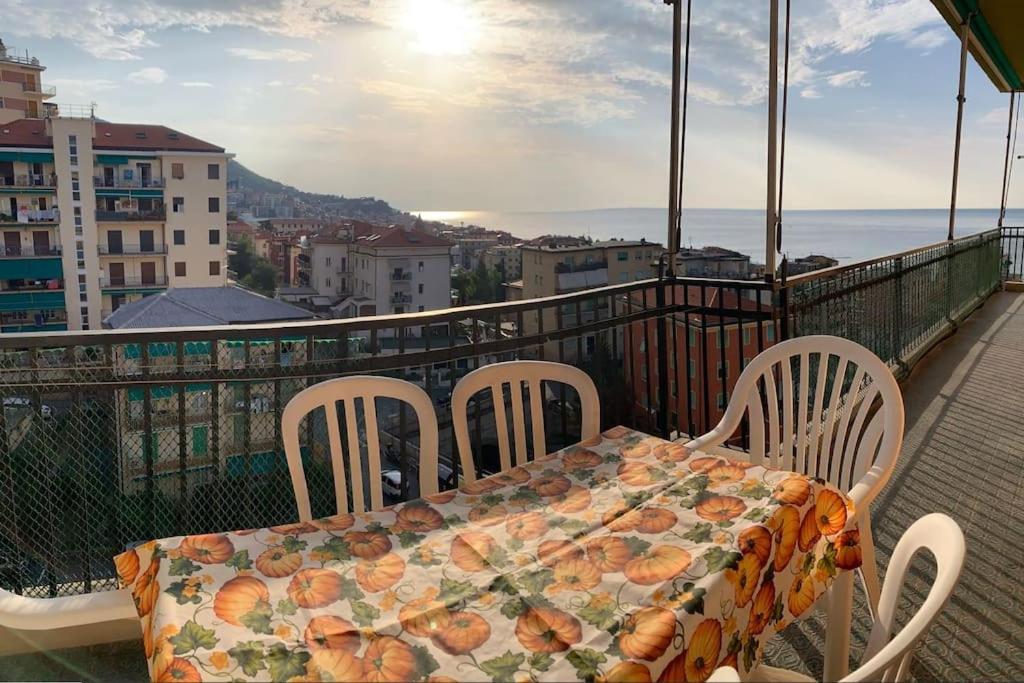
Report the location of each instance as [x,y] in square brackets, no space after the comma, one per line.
[724,674]
[819,405]
[887,657]
[348,390]
[516,374]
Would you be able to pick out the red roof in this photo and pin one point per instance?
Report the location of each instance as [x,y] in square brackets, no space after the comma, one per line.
[401,237]
[131,136]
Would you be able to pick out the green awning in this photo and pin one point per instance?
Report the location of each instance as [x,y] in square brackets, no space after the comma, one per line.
[27,157]
[995,43]
[165,349]
[164,391]
[31,301]
[129,192]
[119,159]
[31,269]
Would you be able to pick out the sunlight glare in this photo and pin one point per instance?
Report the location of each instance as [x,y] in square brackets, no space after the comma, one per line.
[441,27]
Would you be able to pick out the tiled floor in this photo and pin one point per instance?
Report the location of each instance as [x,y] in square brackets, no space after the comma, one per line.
[963,455]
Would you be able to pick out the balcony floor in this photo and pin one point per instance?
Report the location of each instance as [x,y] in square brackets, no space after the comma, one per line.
[962,455]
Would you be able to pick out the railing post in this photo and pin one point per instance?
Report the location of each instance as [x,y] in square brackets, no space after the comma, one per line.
[662,336]
[898,331]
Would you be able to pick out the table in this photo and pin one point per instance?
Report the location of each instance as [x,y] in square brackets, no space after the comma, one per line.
[624,557]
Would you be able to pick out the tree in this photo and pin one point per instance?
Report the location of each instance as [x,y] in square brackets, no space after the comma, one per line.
[244,258]
[263,278]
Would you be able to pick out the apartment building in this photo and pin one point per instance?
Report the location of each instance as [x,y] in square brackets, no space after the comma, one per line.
[716,262]
[22,94]
[330,273]
[397,270]
[310,225]
[507,260]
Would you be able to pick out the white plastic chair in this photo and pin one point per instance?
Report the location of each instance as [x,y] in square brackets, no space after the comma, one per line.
[850,438]
[887,657]
[18,612]
[348,390]
[724,674]
[515,373]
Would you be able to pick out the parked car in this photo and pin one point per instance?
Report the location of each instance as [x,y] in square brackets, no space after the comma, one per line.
[257,404]
[15,402]
[391,480]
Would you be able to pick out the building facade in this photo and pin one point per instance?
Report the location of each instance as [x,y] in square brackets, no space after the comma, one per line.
[507,260]
[330,273]
[22,94]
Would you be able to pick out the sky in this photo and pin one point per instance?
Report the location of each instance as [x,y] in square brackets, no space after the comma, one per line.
[536,105]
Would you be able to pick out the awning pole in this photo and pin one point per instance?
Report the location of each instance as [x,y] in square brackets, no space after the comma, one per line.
[773,105]
[673,171]
[1006,162]
[960,99]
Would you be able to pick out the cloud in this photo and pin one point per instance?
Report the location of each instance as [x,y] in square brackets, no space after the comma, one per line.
[278,55]
[810,93]
[275,84]
[151,75]
[994,117]
[196,84]
[848,79]
[79,85]
[308,89]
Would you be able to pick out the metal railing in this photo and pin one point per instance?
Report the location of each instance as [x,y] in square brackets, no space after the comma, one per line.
[35,88]
[128,184]
[120,282]
[131,249]
[34,216]
[404,276]
[9,55]
[42,180]
[33,251]
[151,433]
[148,215]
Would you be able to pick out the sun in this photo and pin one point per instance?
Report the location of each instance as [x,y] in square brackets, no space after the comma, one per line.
[441,27]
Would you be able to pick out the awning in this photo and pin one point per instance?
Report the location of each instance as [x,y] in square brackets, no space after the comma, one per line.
[31,269]
[119,159]
[31,301]
[27,157]
[995,40]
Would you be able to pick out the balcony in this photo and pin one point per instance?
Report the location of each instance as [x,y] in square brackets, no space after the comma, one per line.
[41,181]
[131,250]
[48,216]
[29,252]
[125,184]
[399,298]
[159,214]
[133,282]
[35,89]
[938,315]
[403,276]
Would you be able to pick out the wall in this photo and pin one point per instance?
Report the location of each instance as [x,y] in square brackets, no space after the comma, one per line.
[196,220]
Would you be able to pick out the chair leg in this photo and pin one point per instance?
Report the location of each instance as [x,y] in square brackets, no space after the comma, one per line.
[869,566]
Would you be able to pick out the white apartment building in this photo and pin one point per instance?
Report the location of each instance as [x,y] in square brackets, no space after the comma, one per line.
[505,259]
[397,270]
[330,272]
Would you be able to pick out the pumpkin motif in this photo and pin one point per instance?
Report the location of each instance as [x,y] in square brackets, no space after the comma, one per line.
[240,596]
[756,540]
[464,633]
[471,549]
[744,578]
[661,563]
[581,459]
[424,616]
[647,633]
[336,665]
[620,518]
[609,553]
[335,523]
[368,545]
[440,498]
[706,463]
[830,509]
[480,486]
[616,432]
[792,491]
[719,475]
[127,566]
[147,588]
[329,632]
[418,519]
[575,575]
[809,532]
[848,553]
[179,671]
[551,552]
[276,562]
[546,629]
[381,573]
[488,515]
[656,520]
[670,452]
[761,610]
[311,588]
[801,595]
[388,659]
[640,449]
[720,508]
[516,475]
[675,670]
[702,652]
[591,441]
[526,525]
[207,548]
[628,672]
[575,499]
[294,528]
[554,485]
[786,524]
[636,473]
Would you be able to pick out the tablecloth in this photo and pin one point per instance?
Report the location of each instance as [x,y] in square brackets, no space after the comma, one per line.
[625,557]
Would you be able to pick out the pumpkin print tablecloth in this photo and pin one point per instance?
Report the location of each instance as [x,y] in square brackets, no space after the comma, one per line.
[622,558]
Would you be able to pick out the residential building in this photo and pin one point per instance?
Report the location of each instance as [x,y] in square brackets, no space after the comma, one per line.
[142,210]
[279,225]
[397,270]
[22,94]
[470,244]
[330,272]
[238,230]
[716,262]
[808,263]
[278,249]
[507,260]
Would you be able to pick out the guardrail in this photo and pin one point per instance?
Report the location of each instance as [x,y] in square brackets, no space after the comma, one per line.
[29,252]
[151,215]
[131,250]
[121,282]
[41,180]
[133,184]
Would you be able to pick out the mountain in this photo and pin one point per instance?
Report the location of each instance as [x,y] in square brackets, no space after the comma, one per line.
[261,196]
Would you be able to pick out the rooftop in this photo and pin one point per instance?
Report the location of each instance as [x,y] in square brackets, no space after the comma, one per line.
[199,306]
[131,136]
[400,237]
[607,244]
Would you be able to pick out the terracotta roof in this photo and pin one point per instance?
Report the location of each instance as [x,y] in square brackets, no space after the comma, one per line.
[133,136]
[400,237]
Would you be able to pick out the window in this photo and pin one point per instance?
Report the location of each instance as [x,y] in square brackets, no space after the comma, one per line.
[720,401]
[213,171]
[215,237]
[179,269]
[214,267]
[178,170]
[179,237]
[421,266]
[214,204]
[421,288]
[770,333]
[723,370]
[746,336]
[623,256]
[327,260]
[723,340]
[327,282]
[178,204]
[421,309]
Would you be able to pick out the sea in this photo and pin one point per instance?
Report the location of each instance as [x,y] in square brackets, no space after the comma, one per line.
[847,236]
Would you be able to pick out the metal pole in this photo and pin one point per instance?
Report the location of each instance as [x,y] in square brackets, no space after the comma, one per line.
[673,171]
[1006,162]
[773,106]
[960,99]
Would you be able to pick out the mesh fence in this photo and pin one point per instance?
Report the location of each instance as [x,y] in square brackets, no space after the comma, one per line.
[114,438]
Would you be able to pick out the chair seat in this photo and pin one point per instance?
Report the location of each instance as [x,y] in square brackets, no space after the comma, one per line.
[773,674]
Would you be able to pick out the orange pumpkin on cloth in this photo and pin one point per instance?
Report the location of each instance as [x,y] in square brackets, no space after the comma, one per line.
[702,650]
[424,616]
[127,566]
[335,523]
[627,672]
[609,553]
[554,485]
[830,509]
[463,633]
[368,544]
[756,540]
[336,665]
[670,452]
[551,552]
[792,490]
[418,519]
[575,499]
[647,633]
[526,526]
[178,670]
[207,548]
[786,525]
[801,595]
[575,575]
[328,632]
[581,459]
[311,588]
[238,597]
[380,573]
[848,552]
[276,562]
[471,549]
[147,588]
[809,531]
[547,629]
[661,563]
[761,610]
[720,508]
[744,578]
[388,659]
[655,520]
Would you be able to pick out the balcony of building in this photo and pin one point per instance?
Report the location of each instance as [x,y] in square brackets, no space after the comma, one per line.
[35,251]
[133,183]
[22,182]
[399,276]
[29,217]
[158,213]
[131,249]
[133,282]
[43,91]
